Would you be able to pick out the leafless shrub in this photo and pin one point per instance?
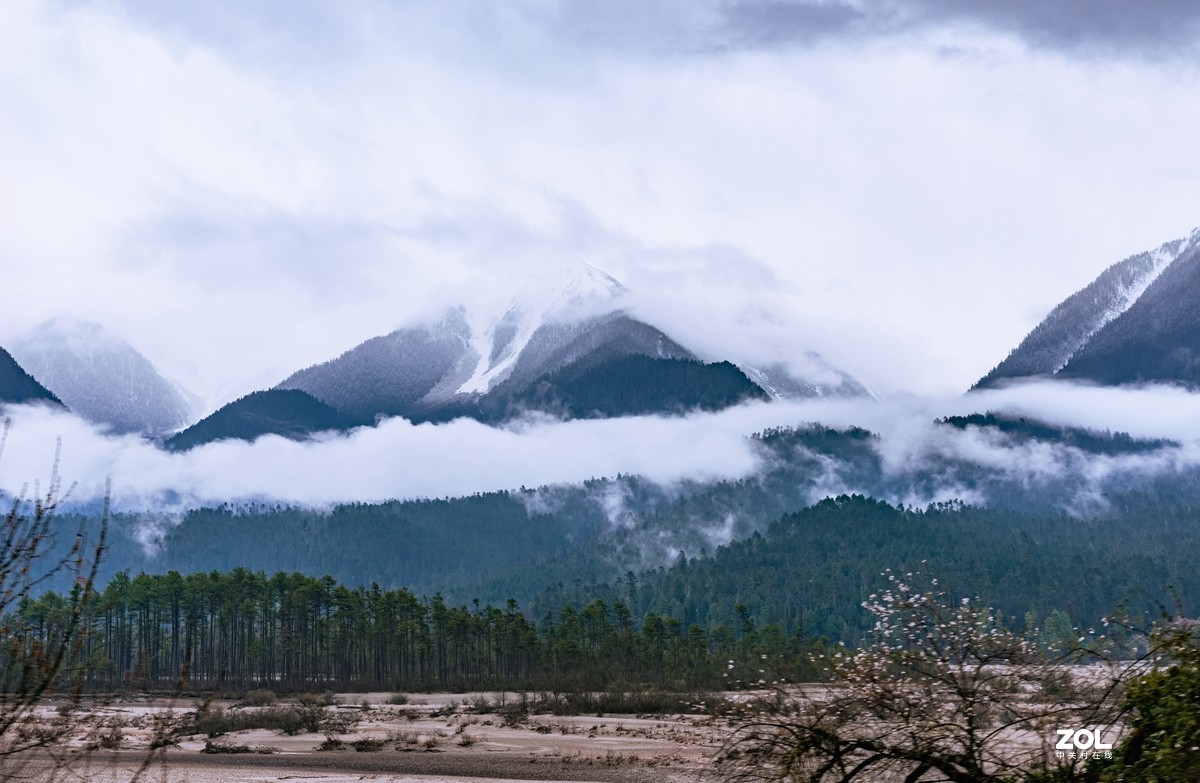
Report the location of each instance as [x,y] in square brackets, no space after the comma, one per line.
[368,744]
[223,747]
[404,740]
[331,743]
[943,692]
[312,710]
[260,697]
[34,657]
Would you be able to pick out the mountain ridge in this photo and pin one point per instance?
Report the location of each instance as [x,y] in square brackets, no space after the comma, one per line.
[565,347]
[288,413]
[1114,318]
[18,387]
[101,377]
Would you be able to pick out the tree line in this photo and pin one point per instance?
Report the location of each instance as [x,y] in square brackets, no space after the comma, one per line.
[240,629]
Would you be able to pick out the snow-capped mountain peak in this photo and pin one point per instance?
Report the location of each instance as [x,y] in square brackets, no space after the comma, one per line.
[547,294]
[100,376]
[813,378]
[558,340]
[1135,323]
[563,289]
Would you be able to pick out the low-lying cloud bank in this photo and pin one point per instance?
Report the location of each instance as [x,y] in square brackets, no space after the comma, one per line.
[399,460]
[395,460]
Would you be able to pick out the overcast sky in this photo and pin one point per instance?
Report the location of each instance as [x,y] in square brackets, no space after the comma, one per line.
[242,189]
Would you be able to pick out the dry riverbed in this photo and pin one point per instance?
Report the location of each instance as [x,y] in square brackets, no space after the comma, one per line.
[433,737]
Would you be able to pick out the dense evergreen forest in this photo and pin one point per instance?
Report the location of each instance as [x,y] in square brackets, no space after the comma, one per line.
[1031,430]
[627,386]
[798,584]
[516,543]
[625,580]
[426,545]
[236,630]
[809,572]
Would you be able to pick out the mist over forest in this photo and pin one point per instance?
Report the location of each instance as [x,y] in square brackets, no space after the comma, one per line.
[1024,511]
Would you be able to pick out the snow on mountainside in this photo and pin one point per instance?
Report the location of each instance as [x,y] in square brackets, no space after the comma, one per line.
[815,378]
[398,374]
[1128,303]
[425,371]
[484,361]
[561,294]
[101,377]
[559,342]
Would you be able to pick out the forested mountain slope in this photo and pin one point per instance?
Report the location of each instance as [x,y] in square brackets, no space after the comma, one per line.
[809,570]
[18,386]
[284,412]
[513,544]
[1135,323]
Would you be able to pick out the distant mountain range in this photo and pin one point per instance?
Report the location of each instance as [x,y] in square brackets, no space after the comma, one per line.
[1138,322]
[102,377]
[566,348]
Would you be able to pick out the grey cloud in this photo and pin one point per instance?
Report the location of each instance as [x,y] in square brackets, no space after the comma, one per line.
[771,23]
[1154,29]
[666,26]
[1149,27]
[670,28]
[518,37]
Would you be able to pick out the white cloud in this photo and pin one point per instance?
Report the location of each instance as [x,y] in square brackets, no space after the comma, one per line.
[244,189]
[394,460]
[402,460]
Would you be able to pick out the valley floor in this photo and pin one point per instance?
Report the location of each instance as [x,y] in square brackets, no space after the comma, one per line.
[432,738]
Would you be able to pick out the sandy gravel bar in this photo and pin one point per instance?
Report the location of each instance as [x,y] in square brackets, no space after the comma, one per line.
[350,767]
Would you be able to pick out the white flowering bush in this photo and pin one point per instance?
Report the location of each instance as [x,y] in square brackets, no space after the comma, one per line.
[942,692]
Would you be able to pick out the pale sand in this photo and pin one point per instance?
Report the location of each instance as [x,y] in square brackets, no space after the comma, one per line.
[608,749]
